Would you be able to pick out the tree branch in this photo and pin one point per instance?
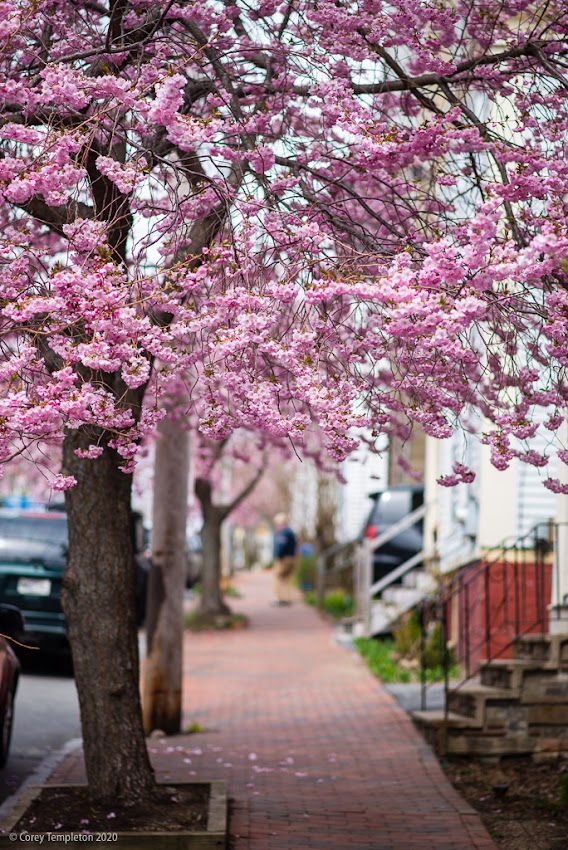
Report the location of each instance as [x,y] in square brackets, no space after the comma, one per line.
[56,217]
[227,509]
[406,83]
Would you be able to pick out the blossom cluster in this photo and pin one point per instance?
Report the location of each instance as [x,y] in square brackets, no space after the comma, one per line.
[312,218]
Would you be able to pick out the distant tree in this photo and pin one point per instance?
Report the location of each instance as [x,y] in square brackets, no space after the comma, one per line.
[244,457]
[163,662]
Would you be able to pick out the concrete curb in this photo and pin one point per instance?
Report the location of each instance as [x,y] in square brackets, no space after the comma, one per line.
[42,772]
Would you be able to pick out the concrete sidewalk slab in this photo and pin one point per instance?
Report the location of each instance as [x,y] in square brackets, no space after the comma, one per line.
[317,754]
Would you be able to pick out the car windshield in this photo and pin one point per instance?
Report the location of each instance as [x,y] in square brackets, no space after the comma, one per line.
[33,538]
[391,507]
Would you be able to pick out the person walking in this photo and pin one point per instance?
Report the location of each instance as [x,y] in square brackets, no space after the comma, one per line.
[285,546]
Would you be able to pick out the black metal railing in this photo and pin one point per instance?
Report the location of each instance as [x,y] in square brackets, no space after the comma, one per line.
[481,610]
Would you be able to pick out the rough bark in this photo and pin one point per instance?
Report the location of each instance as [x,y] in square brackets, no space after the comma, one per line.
[162,679]
[98,599]
[211,603]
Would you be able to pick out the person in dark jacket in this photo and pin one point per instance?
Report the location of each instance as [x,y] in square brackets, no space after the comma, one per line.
[285,547]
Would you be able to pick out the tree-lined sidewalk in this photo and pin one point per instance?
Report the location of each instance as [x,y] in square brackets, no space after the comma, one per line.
[300,219]
[316,753]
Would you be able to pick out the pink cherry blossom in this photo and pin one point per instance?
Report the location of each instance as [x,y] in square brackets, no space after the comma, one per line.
[347,216]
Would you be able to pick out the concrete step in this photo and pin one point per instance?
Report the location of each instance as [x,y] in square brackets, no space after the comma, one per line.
[506,673]
[418,579]
[454,734]
[548,649]
[383,617]
[545,687]
[434,725]
[485,706]
[403,597]
[437,717]
[488,744]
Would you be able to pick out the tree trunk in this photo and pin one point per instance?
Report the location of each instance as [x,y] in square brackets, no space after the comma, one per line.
[98,599]
[326,518]
[162,679]
[211,602]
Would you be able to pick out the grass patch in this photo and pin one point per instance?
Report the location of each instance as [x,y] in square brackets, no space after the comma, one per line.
[336,603]
[196,622]
[194,728]
[383,661]
[379,657]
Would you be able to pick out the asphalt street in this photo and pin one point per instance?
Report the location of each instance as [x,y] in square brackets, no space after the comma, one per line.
[46,717]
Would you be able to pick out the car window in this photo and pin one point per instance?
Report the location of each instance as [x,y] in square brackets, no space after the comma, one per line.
[33,538]
[391,507]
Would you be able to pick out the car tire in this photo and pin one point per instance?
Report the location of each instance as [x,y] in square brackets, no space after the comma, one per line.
[6,727]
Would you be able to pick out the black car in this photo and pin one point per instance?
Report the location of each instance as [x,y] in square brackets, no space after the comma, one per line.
[389,507]
[33,554]
[11,624]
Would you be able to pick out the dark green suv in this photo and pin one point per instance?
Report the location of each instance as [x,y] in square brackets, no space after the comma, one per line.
[33,552]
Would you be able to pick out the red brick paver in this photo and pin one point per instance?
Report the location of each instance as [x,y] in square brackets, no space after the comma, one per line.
[317,754]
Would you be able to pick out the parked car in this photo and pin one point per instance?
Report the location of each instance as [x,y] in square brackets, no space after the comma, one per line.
[11,625]
[33,554]
[389,507]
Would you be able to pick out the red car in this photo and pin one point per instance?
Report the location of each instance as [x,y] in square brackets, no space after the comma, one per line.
[11,623]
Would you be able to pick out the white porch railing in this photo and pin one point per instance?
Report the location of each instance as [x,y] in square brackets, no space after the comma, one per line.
[365,589]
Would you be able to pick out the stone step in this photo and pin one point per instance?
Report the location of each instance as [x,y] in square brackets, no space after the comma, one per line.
[488,744]
[483,705]
[506,673]
[549,687]
[437,717]
[549,649]
[434,723]
[454,734]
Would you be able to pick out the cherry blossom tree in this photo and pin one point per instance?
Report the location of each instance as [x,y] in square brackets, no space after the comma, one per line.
[242,460]
[339,213]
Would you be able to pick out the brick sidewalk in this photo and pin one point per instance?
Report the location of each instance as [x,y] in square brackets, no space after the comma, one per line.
[317,754]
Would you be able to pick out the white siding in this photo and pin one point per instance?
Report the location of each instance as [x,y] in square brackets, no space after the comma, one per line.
[536,504]
[458,507]
[366,472]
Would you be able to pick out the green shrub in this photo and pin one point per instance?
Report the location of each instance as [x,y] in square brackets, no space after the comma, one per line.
[434,648]
[406,635]
[338,603]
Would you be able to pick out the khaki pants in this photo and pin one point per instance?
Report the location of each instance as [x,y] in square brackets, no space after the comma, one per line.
[284,572]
